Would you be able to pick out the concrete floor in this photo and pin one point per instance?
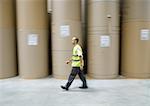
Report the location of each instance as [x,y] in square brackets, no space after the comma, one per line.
[47,92]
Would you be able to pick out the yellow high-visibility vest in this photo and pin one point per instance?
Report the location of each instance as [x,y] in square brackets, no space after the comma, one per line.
[77,54]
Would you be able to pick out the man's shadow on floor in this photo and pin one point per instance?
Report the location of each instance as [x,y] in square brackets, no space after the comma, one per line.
[77,89]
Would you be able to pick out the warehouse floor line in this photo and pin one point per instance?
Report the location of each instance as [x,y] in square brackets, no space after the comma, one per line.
[47,92]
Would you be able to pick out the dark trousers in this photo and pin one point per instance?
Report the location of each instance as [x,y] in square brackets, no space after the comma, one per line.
[74,72]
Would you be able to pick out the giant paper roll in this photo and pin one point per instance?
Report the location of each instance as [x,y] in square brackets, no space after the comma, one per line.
[8,63]
[136,39]
[32,28]
[66,23]
[103,38]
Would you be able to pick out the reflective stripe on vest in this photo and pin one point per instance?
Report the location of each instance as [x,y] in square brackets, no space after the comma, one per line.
[75,60]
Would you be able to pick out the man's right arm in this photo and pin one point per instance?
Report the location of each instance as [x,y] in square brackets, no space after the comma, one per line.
[68,61]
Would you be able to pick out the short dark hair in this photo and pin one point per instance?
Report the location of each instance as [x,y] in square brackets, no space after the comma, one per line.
[77,39]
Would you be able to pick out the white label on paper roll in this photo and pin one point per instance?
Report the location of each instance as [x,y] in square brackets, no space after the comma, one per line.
[33,39]
[105,41]
[64,30]
[145,34]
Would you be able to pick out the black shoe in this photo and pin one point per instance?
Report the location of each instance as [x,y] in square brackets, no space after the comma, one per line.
[63,87]
[83,87]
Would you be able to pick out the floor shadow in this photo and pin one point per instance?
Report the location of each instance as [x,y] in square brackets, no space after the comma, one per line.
[77,89]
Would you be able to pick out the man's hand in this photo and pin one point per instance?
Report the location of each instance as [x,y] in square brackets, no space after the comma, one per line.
[68,61]
[81,67]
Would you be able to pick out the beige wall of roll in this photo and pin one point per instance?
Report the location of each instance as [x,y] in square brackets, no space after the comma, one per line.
[103,38]
[32,28]
[136,39]
[66,23]
[8,64]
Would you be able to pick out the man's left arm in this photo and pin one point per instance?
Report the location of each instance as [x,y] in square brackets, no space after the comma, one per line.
[79,52]
[82,62]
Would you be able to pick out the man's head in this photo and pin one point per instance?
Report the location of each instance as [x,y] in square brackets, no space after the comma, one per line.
[75,40]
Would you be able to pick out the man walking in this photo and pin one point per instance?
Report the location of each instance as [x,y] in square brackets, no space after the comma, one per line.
[77,64]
